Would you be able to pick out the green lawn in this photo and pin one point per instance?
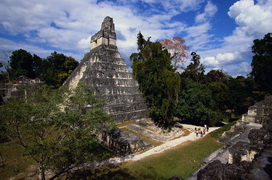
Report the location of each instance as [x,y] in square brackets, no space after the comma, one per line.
[180,161]
[14,162]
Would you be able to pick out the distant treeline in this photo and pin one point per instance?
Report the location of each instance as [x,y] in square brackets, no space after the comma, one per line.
[53,70]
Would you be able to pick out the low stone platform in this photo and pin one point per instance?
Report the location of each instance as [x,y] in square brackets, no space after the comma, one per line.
[137,135]
[122,142]
[147,128]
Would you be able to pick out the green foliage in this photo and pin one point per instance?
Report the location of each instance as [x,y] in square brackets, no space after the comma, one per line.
[216,75]
[56,127]
[213,97]
[56,69]
[140,41]
[21,64]
[53,70]
[196,104]
[220,94]
[240,94]
[37,65]
[262,63]
[157,79]
[195,70]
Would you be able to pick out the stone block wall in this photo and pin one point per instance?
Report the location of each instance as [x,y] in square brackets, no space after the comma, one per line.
[257,111]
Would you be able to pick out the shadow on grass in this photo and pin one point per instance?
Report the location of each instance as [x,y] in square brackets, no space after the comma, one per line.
[111,173]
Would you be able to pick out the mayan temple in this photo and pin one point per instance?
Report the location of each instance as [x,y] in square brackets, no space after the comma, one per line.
[104,70]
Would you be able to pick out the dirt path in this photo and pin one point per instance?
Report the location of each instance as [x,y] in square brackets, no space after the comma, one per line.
[158,149]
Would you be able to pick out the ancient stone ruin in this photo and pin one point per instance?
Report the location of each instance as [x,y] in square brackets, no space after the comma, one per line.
[20,89]
[123,142]
[247,152]
[104,70]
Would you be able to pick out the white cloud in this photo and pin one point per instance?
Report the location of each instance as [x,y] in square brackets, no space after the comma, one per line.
[237,8]
[234,56]
[198,36]
[68,25]
[209,11]
[239,69]
[9,46]
[210,61]
[254,19]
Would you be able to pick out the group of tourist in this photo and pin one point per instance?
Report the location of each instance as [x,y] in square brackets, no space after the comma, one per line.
[201,131]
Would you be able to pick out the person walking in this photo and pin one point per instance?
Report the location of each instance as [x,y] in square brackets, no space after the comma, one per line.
[196,132]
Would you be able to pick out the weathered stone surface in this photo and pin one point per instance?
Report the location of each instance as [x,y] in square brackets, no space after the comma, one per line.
[236,129]
[122,142]
[258,138]
[21,89]
[244,162]
[241,151]
[106,73]
[106,35]
[258,111]
[148,128]
[217,170]
[262,167]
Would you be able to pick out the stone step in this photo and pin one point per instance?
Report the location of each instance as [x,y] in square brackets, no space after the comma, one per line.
[122,108]
[125,116]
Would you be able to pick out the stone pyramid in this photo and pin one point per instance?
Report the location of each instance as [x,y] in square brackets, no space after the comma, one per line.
[104,70]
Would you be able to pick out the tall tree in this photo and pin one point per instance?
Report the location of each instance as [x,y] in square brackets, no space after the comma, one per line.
[21,64]
[37,65]
[262,63]
[196,104]
[195,70]
[216,75]
[56,127]
[56,68]
[240,94]
[177,49]
[157,79]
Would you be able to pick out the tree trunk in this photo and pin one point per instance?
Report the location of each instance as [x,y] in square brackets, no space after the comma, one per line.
[42,173]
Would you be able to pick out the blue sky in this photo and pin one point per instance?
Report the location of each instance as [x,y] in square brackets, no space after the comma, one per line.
[221,31]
